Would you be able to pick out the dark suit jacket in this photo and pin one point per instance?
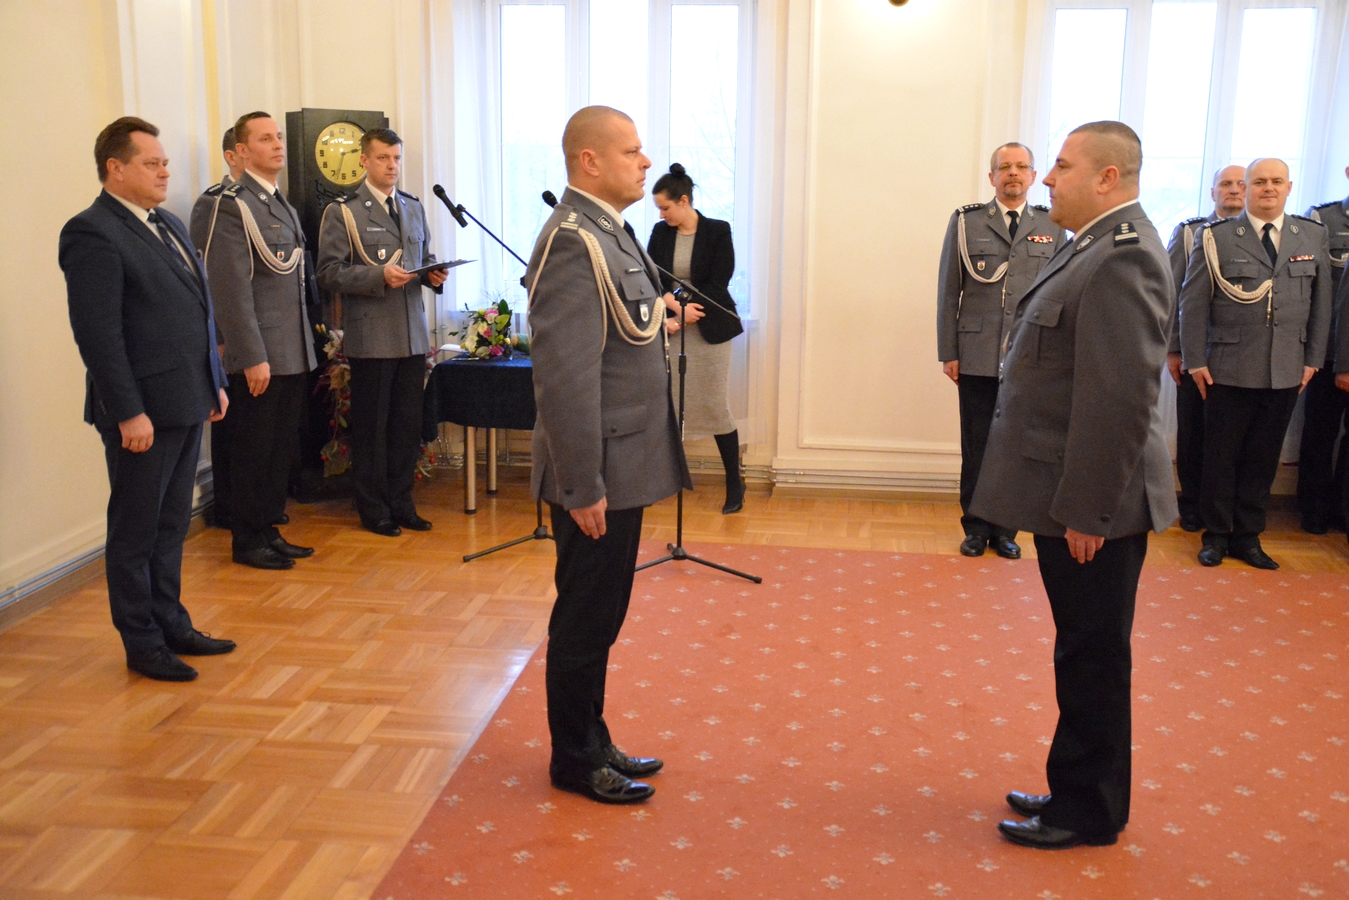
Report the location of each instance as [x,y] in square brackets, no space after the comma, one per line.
[142,321]
[1077,439]
[710,271]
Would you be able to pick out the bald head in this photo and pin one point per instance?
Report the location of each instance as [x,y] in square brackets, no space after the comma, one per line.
[1115,144]
[590,128]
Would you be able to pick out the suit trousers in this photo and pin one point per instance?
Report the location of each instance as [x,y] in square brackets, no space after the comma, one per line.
[222,437]
[149,510]
[266,443]
[386,439]
[1189,444]
[1089,764]
[978,399]
[1320,479]
[1243,434]
[594,584]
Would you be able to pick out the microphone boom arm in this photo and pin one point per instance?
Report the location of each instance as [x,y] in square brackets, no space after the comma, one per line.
[459,212]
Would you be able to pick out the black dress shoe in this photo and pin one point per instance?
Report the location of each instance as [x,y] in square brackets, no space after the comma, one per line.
[194,643]
[735,498]
[1255,557]
[1212,555]
[284,520]
[413,522]
[384,527]
[606,786]
[263,558]
[1027,804]
[160,664]
[631,766]
[1034,833]
[973,545]
[1005,547]
[289,550]
[1191,522]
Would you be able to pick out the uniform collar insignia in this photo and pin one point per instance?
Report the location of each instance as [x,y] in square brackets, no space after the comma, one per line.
[1293,228]
[605,223]
[263,195]
[1241,229]
[1084,243]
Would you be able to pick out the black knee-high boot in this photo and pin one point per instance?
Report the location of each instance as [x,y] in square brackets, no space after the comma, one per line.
[729,446]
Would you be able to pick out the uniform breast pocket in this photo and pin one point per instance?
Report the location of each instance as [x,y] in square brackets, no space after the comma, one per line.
[1042,334]
[1242,273]
[1044,251]
[985,264]
[1302,273]
[637,288]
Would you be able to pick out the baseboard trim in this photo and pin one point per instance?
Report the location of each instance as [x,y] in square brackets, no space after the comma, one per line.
[30,596]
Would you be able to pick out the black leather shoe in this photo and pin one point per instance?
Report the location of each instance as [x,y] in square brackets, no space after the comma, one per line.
[973,545]
[160,664]
[1005,547]
[1191,522]
[413,522]
[1211,555]
[631,766]
[284,520]
[385,527]
[194,643]
[1313,524]
[606,786]
[1027,804]
[1255,557]
[289,550]
[263,558]
[1034,833]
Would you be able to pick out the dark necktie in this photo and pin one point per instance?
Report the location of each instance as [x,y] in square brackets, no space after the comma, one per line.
[393,211]
[1011,223]
[627,226]
[158,221]
[1269,243]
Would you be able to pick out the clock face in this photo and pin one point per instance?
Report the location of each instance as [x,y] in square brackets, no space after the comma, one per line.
[338,153]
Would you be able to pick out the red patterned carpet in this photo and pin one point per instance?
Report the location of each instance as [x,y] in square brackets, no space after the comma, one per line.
[849,728]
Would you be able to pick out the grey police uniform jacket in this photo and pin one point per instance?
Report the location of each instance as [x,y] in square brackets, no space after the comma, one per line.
[1264,344]
[974,320]
[260,314]
[1335,216]
[378,321]
[1077,439]
[606,425]
[199,222]
[1178,250]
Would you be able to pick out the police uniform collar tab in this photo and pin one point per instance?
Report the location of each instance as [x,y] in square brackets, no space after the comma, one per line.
[616,218]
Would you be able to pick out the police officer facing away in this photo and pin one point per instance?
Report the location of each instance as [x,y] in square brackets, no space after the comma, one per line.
[991,254]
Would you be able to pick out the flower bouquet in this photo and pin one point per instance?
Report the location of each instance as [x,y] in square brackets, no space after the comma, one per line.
[487,333]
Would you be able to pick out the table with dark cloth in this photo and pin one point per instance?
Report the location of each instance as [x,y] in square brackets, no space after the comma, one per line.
[477,393]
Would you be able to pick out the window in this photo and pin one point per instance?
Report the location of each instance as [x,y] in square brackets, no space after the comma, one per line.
[1205,83]
[680,68]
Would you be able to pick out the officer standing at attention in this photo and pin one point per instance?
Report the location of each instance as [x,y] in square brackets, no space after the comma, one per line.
[606,443]
[199,225]
[1229,199]
[368,241]
[991,254]
[1255,315]
[254,254]
[1321,480]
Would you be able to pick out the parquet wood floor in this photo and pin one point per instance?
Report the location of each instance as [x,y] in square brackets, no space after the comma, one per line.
[299,766]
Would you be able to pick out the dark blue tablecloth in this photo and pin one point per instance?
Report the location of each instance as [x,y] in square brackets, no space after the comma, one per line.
[479,394]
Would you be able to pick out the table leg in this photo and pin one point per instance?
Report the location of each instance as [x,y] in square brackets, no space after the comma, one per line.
[491,461]
[470,472]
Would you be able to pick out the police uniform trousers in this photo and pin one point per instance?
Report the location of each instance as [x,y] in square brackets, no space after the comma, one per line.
[266,444]
[1320,479]
[149,510]
[978,398]
[386,425]
[1089,764]
[1243,435]
[594,584]
[1189,444]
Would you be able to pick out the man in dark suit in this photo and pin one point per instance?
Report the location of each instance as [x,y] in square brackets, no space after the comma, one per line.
[199,226]
[142,319]
[255,259]
[606,443]
[368,241]
[991,254]
[1254,320]
[1077,456]
[1229,199]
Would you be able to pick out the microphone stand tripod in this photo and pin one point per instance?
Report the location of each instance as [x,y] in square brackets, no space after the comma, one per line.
[540,532]
[677,552]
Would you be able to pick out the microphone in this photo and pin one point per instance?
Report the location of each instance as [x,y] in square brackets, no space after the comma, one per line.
[550,198]
[456,211]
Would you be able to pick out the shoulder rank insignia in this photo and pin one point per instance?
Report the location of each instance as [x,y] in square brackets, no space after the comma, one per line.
[1040,238]
[233,190]
[1125,234]
[605,223]
[1196,220]
[970,207]
[571,216]
[1327,204]
[1306,257]
[1039,207]
[215,189]
[409,196]
[1303,218]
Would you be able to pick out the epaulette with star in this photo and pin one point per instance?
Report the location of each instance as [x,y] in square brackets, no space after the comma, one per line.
[233,190]
[1195,220]
[1306,219]
[1039,207]
[1327,204]
[409,196]
[214,189]
[969,207]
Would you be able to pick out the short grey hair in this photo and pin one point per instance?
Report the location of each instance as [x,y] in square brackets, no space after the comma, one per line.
[993,160]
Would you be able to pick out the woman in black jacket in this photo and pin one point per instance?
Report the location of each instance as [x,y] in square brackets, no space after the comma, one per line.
[699,250]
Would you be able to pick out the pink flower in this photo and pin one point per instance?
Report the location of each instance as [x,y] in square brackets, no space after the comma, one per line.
[496,351]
